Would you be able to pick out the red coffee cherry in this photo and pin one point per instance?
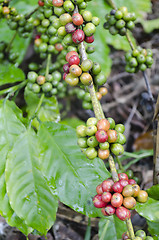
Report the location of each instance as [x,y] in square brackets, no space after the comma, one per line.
[123,213]
[123,176]
[117,187]
[77,19]
[64,75]
[107,185]
[125,236]
[57,3]
[110,210]
[70,28]
[97,201]
[99,189]
[103,124]
[116,200]
[131,181]
[104,212]
[66,67]
[123,182]
[58,47]
[69,54]
[78,36]
[101,136]
[106,197]
[41,3]
[74,59]
[89,39]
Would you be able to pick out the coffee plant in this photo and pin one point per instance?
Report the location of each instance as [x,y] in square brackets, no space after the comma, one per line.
[43,161]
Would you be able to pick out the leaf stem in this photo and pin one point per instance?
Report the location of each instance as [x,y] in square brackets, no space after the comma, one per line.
[88,230]
[11,41]
[48,64]
[13,89]
[120,164]
[39,104]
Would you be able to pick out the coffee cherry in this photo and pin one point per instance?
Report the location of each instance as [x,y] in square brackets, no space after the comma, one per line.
[103,124]
[32,76]
[121,139]
[104,212]
[92,121]
[82,142]
[74,59]
[116,200]
[47,87]
[149,238]
[125,236]
[101,136]
[75,70]
[81,131]
[70,28]
[71,80]
[123,183]
[69,54]
[128,191]
[92,141]
[65,18]
[100,79]
[86,65]
[68,6]
[141,233]
[97,201]
[99,190]
[89,29]
[106,197]
[112,123]
[57,3]
[41,3]
[40,80]
[123,213]
[91,130]
[129,202]
[112,136]
[142,196]
[120,128]
[78,36]
[104,145]
[95,21]
[117,149]
[107,185]
[103,91]
[117,187]
[91,153]
[77,19]
[136,190]
[96,69]
[35,88]
[110,210]
[131,181]
[66,68]
[86,78]
[123,176]
[103,154]
[99,95]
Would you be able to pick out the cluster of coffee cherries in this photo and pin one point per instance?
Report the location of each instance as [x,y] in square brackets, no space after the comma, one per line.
[100,138]
[138,59]
[139,235]
[75,27]
[86,98]
[6,54]
[49,84]
[118,197]
[118,21]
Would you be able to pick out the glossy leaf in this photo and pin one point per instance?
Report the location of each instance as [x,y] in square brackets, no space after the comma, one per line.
[24,6]
[72,122]
[19,44]
[111,228]
[75,176]
[153,229]
[10,128]
[153,192]
[48,111]
[149,210]
[10,74]
[150,25]
[28,190]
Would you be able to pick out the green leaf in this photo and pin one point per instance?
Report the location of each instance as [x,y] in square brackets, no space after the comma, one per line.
[24,6]
[10,128]
[10,74]
[72,122]
[75,176]
[48,111]
[29,193]
[111,228]
[153,229]
[153,192]
[19,44]
[150,25]
[149,210]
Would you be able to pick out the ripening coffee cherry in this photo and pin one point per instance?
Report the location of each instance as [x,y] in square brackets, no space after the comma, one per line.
[142,196]
[101,136]
[86,65]
[40,80]
[86,78]
[103,124]
[117,187]
[75,70]
[69,54]
[110,210]
[65,18]
[81,131]
[103,154]
[103,91]
[70,27]
[99,95]
[123,176]
[123,213]
[106,197]
[129,202]
[91,153]
[92,121]
[107,185]
[78,36]
[141,233]
[136,188]
[97,201]
[87,15]
[99,190]
[112,135]
[71,80]
[116,200]
[128,191]
[77,19]
[74,59]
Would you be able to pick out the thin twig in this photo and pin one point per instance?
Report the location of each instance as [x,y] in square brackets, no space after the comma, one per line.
[148,86]
[129,40]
